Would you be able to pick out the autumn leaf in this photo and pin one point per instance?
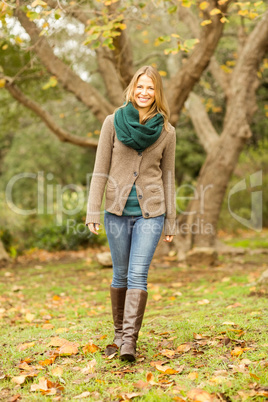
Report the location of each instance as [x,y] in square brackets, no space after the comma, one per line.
[25,346]
[165,369]
[47,362]
[199,395]
[68,350]
[57,371]
[183,348]
[90,368]
[90,348]
[168,353]
[193,375]
[85,394]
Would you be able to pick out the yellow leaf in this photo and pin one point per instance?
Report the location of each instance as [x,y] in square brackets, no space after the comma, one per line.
[157,297]
[203,5]
[68,350]
[18,39]
[221,2]
[145,41]
[215,11]
[90,348]
[29,317]
[144,33]
[193,376]
[25,346]
[165,369]
[167,352]
[162,73]
[252,15]
[4,47]
[62,115]
[205,22]
[243,12]
[223,20]
[57,371]
[2,82]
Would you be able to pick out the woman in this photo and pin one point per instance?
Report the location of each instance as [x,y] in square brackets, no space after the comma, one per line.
[135,156]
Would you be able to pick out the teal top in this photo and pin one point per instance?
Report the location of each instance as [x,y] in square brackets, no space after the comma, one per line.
[132,207]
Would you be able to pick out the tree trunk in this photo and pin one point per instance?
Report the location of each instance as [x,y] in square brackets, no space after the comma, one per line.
[197,227]
[4,257]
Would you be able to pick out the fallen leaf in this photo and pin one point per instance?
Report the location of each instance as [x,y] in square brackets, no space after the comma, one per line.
[199,395]
[167,352]
[141,384]
[47,362]
[19,379]
[68,350]
[91,348]
[29,317]
[48,326]
[228,323]
[204,301]
[165,369]
[193,375]
[57,342]
[126,397]
[57,371]
[14,398]
[90,368]
[185,347]
[157,297]
[25,346]
[83,395]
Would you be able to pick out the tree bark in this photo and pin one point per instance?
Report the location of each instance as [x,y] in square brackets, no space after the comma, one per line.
[202,124]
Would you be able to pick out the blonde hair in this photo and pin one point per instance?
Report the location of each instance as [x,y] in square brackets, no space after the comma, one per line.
[160,104]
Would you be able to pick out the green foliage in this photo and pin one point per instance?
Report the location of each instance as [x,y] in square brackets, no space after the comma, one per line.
[71,235]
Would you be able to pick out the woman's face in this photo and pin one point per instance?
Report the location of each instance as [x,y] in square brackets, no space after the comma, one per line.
[144,93]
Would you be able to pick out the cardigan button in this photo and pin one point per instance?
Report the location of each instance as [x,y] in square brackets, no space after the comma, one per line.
[135,174]
[140,196]
[147,214]
[140,153]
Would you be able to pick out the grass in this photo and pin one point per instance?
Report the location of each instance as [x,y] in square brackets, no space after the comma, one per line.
[220,320]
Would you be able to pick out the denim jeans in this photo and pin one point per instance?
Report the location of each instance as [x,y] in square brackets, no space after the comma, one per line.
[132,241]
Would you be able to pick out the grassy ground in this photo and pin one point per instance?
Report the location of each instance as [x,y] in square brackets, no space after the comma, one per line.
[204,337]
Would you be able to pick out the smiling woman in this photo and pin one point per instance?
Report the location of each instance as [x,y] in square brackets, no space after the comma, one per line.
[136,154]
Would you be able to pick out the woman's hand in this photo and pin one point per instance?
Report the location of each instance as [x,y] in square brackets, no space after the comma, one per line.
[94,227]
[168,238]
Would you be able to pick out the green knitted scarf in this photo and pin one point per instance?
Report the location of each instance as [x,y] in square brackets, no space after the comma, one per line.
[132,133]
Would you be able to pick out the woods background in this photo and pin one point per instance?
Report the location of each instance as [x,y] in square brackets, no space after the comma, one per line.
[64,67]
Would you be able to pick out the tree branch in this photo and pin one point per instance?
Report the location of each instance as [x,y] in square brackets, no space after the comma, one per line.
[62,134]
[105,58]
[202,124]
[219,75]
[99,106]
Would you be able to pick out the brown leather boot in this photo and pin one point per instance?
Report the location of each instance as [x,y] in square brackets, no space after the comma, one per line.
[135,304]
[118,296]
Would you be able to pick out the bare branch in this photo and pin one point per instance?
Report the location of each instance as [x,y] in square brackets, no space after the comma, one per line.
[99,106]
[202,124]
[62,134]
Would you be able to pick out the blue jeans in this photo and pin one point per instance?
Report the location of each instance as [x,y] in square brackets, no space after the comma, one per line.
[132,241]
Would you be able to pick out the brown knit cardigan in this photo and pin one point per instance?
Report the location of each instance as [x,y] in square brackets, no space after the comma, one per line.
[120,166]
